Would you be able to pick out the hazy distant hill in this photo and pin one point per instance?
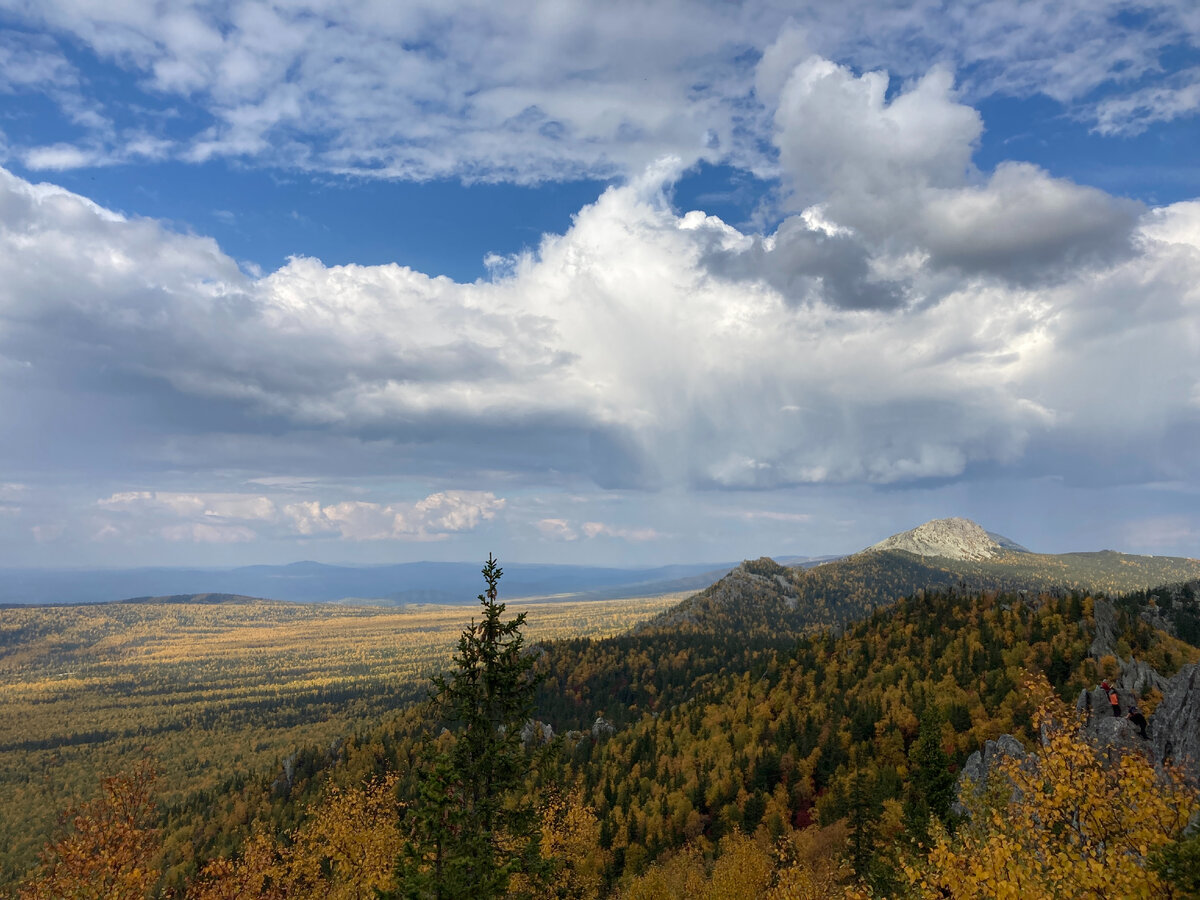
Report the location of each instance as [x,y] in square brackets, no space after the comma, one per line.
[197,599]
[762,596]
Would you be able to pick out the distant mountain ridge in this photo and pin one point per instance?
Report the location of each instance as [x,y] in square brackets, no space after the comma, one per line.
[197,599]
[763,598]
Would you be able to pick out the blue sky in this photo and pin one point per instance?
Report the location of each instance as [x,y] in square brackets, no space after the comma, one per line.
[630,283]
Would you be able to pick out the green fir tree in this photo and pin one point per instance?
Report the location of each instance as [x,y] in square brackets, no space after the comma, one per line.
[470,828]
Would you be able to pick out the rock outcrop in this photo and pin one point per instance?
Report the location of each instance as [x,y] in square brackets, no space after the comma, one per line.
[1139,678]
[1175,725]
[1105,637]
[1105,729]
[535,732]
[980,767]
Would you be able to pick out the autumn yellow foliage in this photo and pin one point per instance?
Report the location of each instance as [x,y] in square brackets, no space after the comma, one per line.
[345,850]
[570,843]
[1076,820]
[804,865]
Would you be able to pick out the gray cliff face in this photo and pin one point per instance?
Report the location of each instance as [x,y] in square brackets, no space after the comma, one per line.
[1106,628]
[1175,725]
[949,538]
[1139,678]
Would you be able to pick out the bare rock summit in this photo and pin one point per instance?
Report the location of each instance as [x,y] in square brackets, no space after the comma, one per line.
[950,538]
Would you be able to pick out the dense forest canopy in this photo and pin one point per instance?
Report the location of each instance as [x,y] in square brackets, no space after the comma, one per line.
[784,733]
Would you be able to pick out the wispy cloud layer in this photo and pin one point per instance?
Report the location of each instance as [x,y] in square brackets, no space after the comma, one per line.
[235,517]
[535,91]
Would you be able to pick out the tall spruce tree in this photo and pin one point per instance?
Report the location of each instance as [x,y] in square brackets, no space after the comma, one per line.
[469,828]
[931,783]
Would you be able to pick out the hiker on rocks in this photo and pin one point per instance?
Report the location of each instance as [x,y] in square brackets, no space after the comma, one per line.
[1135,716]
[1111,693]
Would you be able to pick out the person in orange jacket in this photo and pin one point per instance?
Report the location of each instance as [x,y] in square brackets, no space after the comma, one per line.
[1111,693]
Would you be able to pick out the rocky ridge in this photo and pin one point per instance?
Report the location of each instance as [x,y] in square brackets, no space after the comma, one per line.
[1173,728]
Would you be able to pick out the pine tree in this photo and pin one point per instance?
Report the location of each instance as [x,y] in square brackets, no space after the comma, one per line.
[469,830]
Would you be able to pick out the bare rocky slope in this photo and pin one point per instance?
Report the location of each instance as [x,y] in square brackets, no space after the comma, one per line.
[952,538]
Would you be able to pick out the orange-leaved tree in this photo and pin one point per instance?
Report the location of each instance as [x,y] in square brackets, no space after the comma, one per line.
[109,847]
[570,848]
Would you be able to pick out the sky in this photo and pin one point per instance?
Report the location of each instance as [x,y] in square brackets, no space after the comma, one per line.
[608,283]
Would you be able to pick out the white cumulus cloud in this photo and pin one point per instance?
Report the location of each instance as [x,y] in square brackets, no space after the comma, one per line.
[1000,322]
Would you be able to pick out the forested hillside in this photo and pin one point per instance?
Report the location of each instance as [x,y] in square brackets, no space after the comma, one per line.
[827,731]
[735,747]
[218,690]
[762,597]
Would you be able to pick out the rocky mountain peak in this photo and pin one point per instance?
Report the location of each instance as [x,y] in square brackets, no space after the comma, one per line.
[953,538]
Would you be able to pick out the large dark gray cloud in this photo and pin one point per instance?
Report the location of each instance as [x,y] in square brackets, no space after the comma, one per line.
[898,171]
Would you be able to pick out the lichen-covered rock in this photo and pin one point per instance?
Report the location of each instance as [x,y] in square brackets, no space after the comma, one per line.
[602,728]
[1175,725]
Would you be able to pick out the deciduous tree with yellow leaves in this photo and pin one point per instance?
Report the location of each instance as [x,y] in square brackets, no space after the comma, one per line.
[345,850]
[1072,819]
